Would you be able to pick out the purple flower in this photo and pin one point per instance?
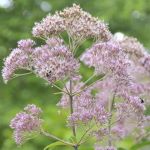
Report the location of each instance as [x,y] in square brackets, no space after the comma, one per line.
[106,57]
[32,109]
[145,62]
[86,107]
[51,25]
[105,148]
[19,58]
[80,24]
[113,105]
[76,22]
[54,61]
[16,60]
[130,45]
[26,122]
[26,45]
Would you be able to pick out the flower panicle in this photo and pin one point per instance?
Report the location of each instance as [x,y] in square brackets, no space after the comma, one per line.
[26,122]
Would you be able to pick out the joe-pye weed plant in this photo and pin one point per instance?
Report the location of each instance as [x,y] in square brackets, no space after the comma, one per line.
[110,105]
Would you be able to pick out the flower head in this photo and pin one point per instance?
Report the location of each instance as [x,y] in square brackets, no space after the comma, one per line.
[19,58]
[33,109]
[80,24]
[51,25]
[135,50]
[26,122]
[26,44]
[54,61]
[130,45]
[76,22]
[106,57]
[16,60]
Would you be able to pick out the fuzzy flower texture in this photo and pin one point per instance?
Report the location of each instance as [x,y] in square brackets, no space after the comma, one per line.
[111,103]
[26,122]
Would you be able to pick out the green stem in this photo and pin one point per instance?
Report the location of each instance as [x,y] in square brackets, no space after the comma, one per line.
[82,137]
[71,111]
[143,136]
[90,78]
[110,119]
[75,147]
[56,138]
[59,88]
[42,38]
[19,75]
[86,87]
[71,107]
[64,84]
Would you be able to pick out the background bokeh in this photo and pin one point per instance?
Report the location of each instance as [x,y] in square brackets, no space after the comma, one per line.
[17,18]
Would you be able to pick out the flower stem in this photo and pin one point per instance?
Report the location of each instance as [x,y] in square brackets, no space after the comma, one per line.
[19,75]
[75,147]
[57,87]
[89,79]
[88,86]
[71,111]
[110,119]
[56,138]
[82,137]
[71,107]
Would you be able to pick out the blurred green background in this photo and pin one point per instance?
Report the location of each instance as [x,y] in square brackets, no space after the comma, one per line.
[17,18]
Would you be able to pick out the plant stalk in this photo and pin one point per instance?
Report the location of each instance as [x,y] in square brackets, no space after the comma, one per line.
[71,111]
[56,138]
[75,147]
[110,119]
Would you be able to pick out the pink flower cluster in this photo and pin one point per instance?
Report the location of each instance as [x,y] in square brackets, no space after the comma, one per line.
[52,61]
[76,22]
[105,148]
[26,122]
[51,25]
[114,104]
[134,49]
[18,59]
[86,106]
[116,59]
[106,57]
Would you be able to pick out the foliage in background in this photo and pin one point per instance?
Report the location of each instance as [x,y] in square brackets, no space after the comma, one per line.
[129,16]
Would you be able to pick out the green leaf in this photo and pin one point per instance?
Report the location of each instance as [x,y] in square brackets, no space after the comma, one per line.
[53,145]
[140,145]
[120,148]
[125,143]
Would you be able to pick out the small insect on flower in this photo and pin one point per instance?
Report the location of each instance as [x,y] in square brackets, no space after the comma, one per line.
[142,101]
[48,74]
